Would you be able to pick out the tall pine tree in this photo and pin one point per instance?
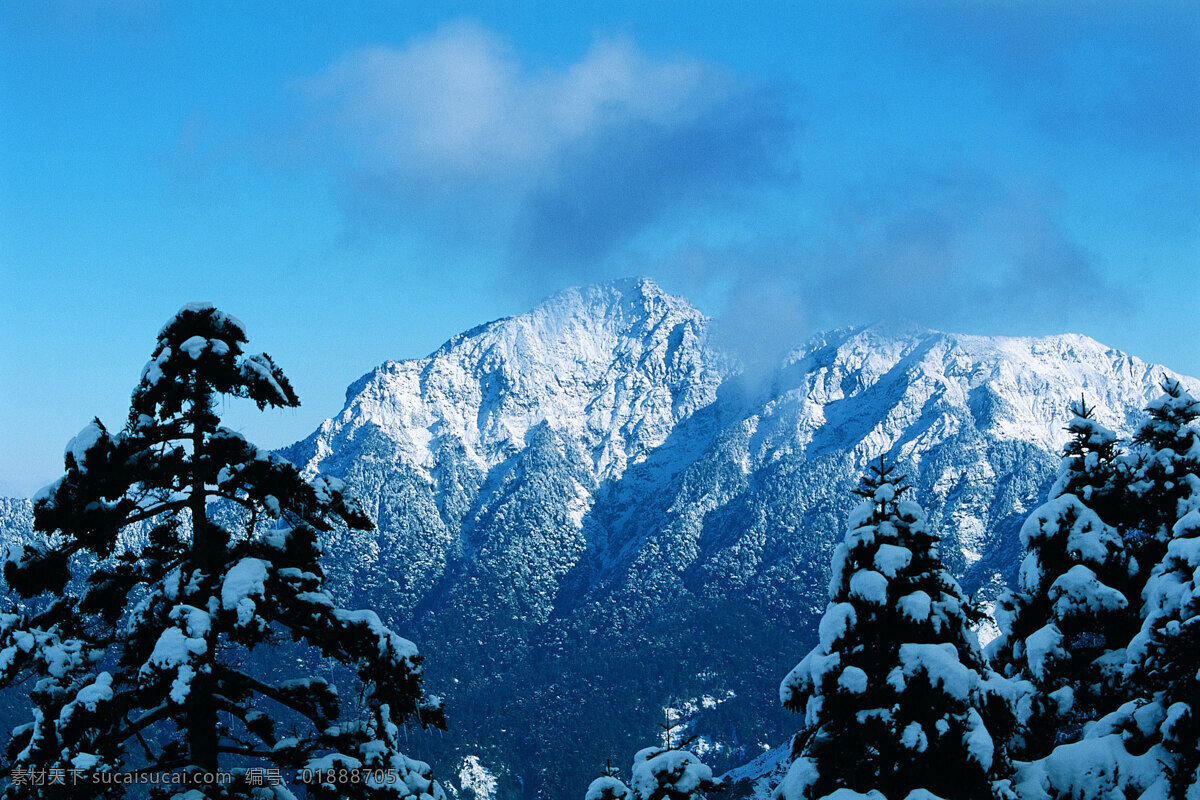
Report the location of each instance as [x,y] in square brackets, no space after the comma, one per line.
[1161,668]
[896,694]
[1064,627]
[197,554]
[1162,456]
[1126,675]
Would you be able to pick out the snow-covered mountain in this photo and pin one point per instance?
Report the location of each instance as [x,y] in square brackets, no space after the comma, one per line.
[614,367]
[586,515]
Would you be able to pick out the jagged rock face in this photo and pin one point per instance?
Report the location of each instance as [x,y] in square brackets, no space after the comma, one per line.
[613,367]
[585,514]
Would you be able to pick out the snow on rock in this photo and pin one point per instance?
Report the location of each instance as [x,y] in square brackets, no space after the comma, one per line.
[627,375]
[616,365]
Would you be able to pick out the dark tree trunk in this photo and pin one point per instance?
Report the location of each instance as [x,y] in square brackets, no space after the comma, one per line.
[201,710]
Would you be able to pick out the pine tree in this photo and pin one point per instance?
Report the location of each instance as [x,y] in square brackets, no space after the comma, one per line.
[1064,627]
[1161,458]
[1161,666]
[1144,740]
[608,786]
[1089,467]
[1163,656]
[202,559]
[896,694]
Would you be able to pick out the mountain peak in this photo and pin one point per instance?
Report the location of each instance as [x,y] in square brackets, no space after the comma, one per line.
[615,364]
[628,298]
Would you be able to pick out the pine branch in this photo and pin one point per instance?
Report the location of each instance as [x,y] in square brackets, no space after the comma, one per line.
[152,716]
[272,693]
[244,751]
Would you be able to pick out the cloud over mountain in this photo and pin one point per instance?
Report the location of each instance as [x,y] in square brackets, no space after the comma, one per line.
[561,163]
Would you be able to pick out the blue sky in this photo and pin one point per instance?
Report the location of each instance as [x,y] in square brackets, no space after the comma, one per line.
[360,181]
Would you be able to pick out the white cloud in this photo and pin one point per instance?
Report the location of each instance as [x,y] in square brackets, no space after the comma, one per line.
[458,104]
[456,139]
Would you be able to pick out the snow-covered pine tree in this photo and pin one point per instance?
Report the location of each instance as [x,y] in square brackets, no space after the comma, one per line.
[659,773]
[608,786]
[1162,664]
[1147,746]
[896,694]
[1162,657]
[1064,627]
[1161,458]
[1089,467]
[147,664]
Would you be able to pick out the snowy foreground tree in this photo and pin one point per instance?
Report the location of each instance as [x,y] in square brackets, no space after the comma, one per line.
[659,773]
[898,701]
[1134,672]
[198,565]
[1065,626]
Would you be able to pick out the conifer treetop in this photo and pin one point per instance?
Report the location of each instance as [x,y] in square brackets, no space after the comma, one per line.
[896,697]
[215,365]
